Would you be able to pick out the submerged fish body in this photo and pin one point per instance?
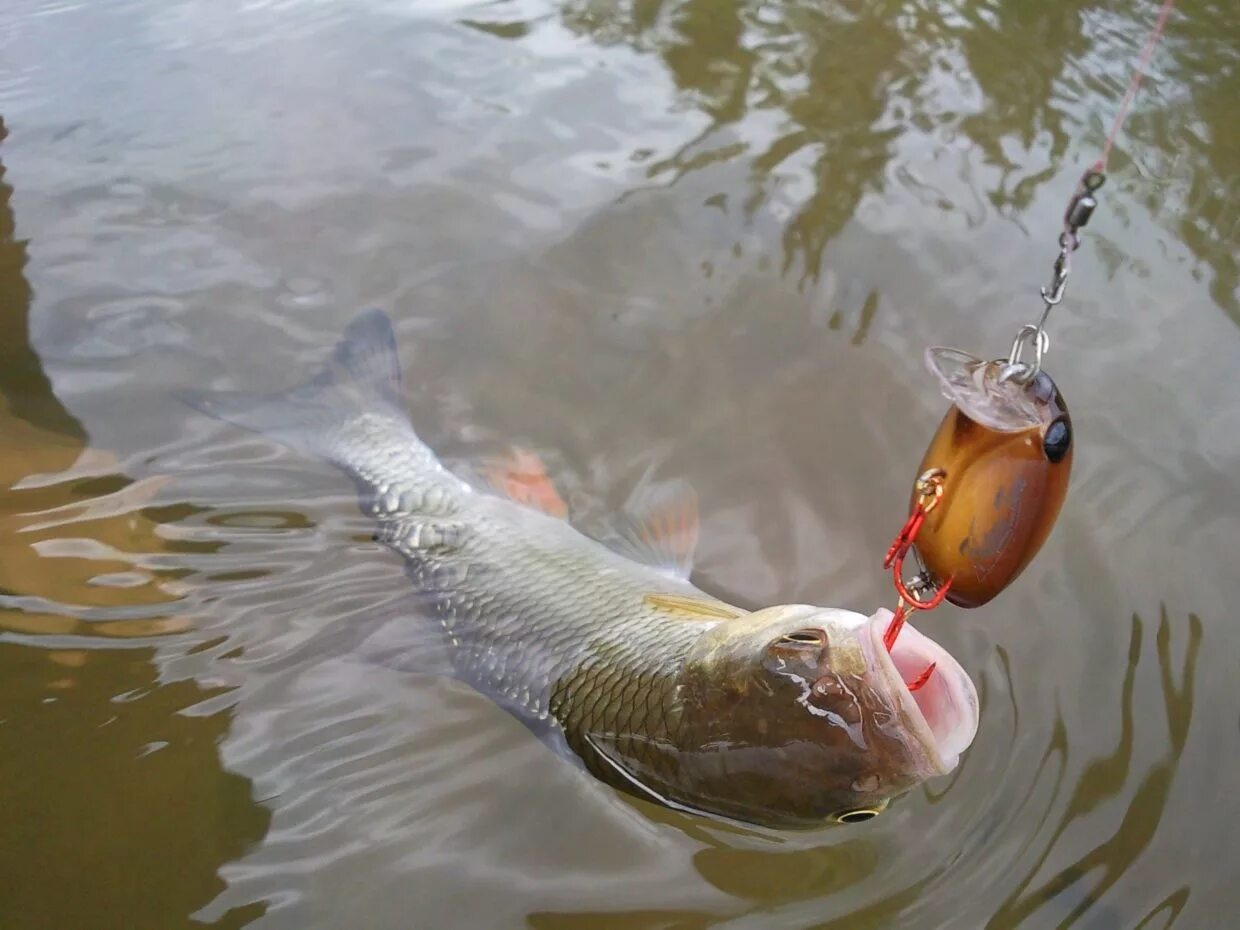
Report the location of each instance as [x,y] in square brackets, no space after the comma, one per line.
[784,717]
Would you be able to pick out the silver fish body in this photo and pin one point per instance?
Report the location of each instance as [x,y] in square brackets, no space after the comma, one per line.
[784,717]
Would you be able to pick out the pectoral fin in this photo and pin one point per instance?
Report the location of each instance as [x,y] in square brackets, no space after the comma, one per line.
[692,606]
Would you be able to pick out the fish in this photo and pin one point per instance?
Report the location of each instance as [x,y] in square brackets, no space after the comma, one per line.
[789,717]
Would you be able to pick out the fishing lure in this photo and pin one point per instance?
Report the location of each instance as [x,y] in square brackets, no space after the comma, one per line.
[997,469]
[994,477]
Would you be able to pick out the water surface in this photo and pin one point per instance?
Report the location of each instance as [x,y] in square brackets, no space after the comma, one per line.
[706,238]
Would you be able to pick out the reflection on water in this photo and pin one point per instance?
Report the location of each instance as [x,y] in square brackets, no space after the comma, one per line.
[837,80]
[113,789]
[709,239]
[1107,777]
[1196,186]
[114,807]
[842,82]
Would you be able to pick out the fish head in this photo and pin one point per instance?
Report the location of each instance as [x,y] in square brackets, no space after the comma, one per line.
[794,716]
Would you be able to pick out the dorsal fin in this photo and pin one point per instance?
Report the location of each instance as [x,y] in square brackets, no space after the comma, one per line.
[660,527]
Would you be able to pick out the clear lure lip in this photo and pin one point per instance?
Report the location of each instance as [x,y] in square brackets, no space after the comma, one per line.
[943,713]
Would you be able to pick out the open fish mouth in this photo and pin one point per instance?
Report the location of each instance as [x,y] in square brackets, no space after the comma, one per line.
[943,713]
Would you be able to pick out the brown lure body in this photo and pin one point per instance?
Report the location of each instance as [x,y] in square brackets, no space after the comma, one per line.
[1002,492]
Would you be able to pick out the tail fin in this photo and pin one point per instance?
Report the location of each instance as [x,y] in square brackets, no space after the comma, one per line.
[362,376]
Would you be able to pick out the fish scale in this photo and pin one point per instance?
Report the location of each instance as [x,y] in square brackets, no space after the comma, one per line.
[512,640]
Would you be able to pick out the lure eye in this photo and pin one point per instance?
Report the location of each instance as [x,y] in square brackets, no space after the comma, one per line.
[1058,440]
[856,815]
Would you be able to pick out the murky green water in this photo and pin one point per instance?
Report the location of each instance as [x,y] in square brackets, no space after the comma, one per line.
[713,236]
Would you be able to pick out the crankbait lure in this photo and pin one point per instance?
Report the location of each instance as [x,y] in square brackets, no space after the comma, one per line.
[994,477]
[993,480]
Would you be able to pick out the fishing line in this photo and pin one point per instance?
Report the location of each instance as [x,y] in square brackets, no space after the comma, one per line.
[1134,84]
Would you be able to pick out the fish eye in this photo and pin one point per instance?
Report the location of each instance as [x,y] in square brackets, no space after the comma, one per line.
[1057,440]
[803,638]
[799,648]
[857,815]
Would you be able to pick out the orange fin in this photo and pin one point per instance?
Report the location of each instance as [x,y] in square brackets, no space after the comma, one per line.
[694,606]
[521,475]
[661,527]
